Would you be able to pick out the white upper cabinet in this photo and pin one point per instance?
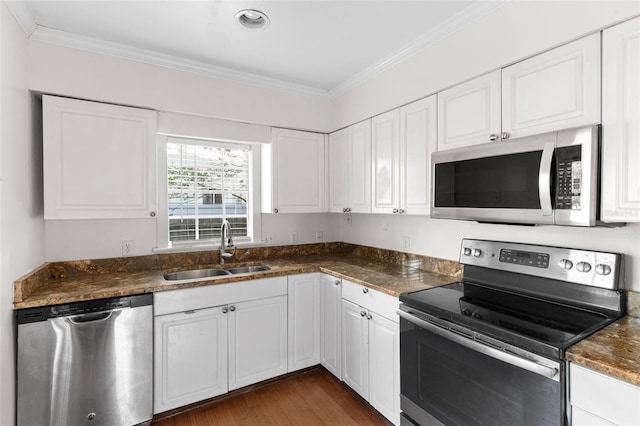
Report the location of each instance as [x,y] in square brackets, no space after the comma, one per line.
[469,113]
[360,167]
[350,169]
[418,136]
[385,160]
[555,90]
[294,172]
[338,171]
[99,160]
[621,123]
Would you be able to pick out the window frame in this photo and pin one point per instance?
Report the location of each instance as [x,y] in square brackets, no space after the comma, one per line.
[253,215]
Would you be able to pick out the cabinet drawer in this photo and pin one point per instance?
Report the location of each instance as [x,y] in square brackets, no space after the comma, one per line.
[579,417]
[188,299]
[611,399]
[374,300]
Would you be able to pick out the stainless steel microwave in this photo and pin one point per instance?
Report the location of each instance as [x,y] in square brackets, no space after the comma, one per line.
[550,178]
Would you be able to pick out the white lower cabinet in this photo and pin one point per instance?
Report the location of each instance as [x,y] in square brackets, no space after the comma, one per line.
[331,324]
[304,321]
[190,356]
[598,399]
[257,341]
[371,347]
[202,350]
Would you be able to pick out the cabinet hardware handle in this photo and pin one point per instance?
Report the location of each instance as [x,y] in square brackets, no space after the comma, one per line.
[275,210]
[395,210]
[152,214]
[348,209]
[506,135]
[232,308]
[493,137]
[401,211]
[363,314]
[369,316]
[337,282]
[344,210]
[365,290]
[225,310]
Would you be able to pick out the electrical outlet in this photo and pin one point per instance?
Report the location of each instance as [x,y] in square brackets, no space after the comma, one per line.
[385,224]
[293,237]
[349,221]
[127,248]
[406,241]
[319,236]
[268,238]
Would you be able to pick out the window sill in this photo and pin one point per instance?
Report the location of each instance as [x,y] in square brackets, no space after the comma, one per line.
[204,247]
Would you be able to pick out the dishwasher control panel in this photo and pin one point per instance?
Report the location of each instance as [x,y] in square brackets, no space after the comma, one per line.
[44,313]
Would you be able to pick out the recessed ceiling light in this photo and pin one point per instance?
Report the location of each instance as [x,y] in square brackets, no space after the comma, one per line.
[253,19]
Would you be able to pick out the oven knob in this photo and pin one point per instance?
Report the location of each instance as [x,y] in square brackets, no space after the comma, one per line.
[467,251]
[476,315]
[466,312]
[565,264]
[603,269]
[583,267]
[477,252]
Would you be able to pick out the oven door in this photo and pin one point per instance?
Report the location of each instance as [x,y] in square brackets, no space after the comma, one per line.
[462,378]
[497,182]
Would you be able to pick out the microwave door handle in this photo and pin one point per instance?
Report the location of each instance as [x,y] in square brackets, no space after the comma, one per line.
[544,179]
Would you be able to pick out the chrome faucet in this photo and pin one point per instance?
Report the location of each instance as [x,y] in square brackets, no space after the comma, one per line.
[226,242]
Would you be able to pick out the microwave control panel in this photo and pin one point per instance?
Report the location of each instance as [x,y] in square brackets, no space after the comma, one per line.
[568,177]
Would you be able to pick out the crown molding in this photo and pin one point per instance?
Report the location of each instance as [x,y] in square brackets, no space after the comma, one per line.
[89,44]
[475,11]
[35,32]
[21,12]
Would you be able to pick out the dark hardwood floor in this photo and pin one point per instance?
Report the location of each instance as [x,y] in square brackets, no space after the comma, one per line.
[313,397]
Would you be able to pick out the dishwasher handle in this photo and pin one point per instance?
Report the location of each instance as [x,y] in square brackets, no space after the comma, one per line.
[92,317]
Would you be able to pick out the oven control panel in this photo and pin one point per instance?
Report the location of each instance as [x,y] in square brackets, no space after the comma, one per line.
[594,268]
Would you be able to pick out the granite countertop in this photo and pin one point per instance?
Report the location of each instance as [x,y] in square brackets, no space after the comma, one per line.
[614,350]
[49,286]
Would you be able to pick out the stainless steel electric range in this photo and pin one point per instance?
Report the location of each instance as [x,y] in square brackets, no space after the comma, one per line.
[489,350]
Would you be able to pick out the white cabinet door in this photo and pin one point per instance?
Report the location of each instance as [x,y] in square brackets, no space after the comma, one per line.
[469,113]
[338,171]
[257,341]
[330,325]
[294,172]
[190,357]
[418,139]
[355,354]
[621,123]
[384,366]
[304,321]
[602,396]
[99,160]
[554,90]
[385,156]
[360,167]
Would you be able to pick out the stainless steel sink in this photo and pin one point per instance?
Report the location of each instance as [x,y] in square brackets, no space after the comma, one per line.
[248,269]
[195,274]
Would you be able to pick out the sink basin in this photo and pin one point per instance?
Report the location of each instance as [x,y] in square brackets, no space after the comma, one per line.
[248,269]
[195,273]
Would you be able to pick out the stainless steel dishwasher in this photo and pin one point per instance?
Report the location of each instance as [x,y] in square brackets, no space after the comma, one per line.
[86,363]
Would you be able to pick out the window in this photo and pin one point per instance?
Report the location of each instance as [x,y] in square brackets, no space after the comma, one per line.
[206,183]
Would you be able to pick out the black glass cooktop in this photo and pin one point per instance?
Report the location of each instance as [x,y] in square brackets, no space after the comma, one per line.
[542,326]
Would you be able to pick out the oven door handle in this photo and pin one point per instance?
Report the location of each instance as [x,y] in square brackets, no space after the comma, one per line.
[529,365]
[544,179]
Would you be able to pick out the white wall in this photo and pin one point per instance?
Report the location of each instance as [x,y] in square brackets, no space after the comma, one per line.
[21,218]
[516,30]
[441,238]
[64,71]
[95,239]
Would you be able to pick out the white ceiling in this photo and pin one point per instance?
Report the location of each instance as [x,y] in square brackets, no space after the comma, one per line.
[317,46]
